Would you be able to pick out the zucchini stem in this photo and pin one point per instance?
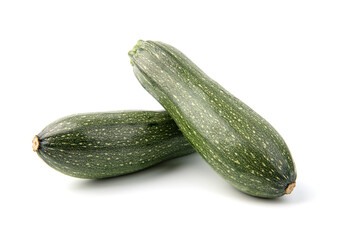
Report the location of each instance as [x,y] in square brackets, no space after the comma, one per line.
[35,143]
[290,188]
[134,50]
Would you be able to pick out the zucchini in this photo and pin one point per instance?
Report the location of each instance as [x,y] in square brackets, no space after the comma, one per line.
[238,143]
[101,145]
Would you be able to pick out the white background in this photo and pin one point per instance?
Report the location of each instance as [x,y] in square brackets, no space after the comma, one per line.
[288,60]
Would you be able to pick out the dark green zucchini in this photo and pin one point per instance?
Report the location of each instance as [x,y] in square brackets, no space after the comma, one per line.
[101,145]
[238,143]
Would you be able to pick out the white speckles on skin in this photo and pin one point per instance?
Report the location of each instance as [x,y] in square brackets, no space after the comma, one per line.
[230,130]
[91,133]
[197,116]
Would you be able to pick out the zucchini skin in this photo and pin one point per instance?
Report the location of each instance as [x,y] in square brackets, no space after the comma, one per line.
[237,142]
[109,144]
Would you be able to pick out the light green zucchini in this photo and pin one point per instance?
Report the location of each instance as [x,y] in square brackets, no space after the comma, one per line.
[101,145]
[238,143]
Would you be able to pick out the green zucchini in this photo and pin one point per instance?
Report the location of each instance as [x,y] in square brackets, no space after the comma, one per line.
[101,145]
[238,143]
